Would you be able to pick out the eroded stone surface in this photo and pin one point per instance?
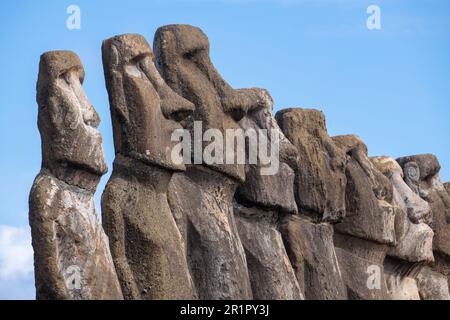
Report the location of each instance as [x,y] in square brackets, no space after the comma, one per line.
[362,267]
[442,265]
[320,166]
[311,250]
[146,245]
[432,285]
[201,202]
[215,253]
[221,231]
[71,252]
[182,57]
[414,238]
[259,203]
[362,238]
[271,273]
[402,288]
[369,214]
[273,189]
[421,173]
[447,187]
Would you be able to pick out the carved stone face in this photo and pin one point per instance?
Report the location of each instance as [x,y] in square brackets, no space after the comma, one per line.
[277,190]
[369,193]
[418,209]
[414,237]
[67,121]
[182,56]
[320,167]
[145,111]
[421,173]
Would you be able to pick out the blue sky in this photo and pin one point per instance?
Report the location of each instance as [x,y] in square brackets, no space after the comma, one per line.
[390,86]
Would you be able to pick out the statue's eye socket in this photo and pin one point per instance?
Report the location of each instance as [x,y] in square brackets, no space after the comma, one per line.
[140,58]
[67,74]
[134,70]
[192,53]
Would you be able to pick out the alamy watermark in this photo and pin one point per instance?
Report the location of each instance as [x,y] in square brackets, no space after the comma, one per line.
[374,277]
[73,21]
[232,149]
[374,20]
[72,277]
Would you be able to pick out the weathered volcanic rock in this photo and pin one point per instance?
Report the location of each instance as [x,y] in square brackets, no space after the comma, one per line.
[271,188]
[432,285]
[201,202]
[417,169]
[442,265]
[363,237]
[202,199]
[421,173]
[71,252]
[320,167]
[260,202]
[414,242]
[418,210]
[362,267]
[447,187]
[311,251]
[212,197]
[413,237]
[271,273]
[401,279]
[182,57]
[146,245]
[368,196]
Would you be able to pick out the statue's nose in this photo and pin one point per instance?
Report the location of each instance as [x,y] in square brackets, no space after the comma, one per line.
[175,107]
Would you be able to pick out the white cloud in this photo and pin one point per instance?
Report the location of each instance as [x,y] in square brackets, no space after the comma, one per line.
[16,253]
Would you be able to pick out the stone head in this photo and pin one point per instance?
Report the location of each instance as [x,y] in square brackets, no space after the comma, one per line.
[67,121]
[421,173]
[145,111]
[182,56]
[369,194]
[414,238]
[274,190]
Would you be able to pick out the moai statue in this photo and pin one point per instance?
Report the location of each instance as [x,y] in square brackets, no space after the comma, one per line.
[363,238]
[421,173]
[146,245]
[201,199]
[414,238]
[261,202]
[320,194]
[71,253]
[320,168]
[432,285]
